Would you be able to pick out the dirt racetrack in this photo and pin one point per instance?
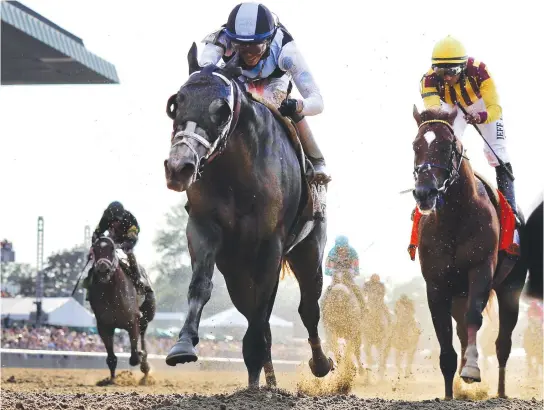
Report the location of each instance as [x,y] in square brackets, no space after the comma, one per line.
[77,389]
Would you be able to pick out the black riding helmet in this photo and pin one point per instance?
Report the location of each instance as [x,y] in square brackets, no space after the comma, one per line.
[116,210]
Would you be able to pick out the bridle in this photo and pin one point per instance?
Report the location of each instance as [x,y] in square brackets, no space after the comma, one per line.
[110,265]
[213,150]
[453,172]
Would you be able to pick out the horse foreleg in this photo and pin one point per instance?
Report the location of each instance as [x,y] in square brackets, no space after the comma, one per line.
[458,312]
[148,313]
[384,354]
[368,353]
[257,342]
[204,241]
[144,365]
[106,334]
[440,306]
[332,344]
[480,279]
[398,361]
[269,374]
[508,318]
[410,361]
[134,333]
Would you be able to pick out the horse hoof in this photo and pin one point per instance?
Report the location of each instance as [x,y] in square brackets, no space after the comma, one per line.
[322,367]
[134,360]
[471,374]
[182,352]
[144,367]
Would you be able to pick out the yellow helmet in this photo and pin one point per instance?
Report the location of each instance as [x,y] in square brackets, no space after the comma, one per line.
[449,51]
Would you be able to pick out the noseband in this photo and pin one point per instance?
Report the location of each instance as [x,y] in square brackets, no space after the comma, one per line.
[453,173]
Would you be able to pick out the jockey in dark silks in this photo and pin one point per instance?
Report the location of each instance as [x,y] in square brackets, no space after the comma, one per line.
[343,265]
[123,229]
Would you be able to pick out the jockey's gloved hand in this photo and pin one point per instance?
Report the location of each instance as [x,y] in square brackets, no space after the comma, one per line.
[288,107]
[476,118]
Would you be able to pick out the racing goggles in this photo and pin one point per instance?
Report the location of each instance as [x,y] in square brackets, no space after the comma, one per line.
[250,48]
[448,71]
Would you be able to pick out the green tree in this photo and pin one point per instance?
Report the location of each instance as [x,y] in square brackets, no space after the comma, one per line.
[174,268]
[62,270]
[20,275]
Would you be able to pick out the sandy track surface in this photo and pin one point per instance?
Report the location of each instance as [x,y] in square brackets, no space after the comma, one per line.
[179,389]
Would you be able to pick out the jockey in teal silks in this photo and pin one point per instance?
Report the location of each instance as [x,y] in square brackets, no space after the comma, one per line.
[343,265]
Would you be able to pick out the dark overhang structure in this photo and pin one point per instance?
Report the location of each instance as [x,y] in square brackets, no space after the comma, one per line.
[37,51]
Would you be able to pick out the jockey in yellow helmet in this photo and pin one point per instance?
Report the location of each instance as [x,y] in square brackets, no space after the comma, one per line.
[455,78]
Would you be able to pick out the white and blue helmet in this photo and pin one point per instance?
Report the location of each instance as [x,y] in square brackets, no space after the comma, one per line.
[250,23]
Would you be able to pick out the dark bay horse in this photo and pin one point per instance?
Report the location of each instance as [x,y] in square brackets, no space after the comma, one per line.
[114,301]
[458,251]
[245,190]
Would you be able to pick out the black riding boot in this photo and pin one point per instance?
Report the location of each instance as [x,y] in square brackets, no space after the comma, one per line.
[136,275]
[506,185]
[312,151]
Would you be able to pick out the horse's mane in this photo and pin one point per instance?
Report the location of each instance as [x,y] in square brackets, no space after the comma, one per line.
[428,115]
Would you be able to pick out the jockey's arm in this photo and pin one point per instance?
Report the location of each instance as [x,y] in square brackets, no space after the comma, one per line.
[354,262]
[102,227]
[292,62]
[330,266]
[215,47]
[491,100]
[429,90]
[131,236]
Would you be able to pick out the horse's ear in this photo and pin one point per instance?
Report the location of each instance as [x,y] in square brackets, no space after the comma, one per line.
[417,115]
[192,59]
[232,68]
[219,111]
[172,107]
[452,116]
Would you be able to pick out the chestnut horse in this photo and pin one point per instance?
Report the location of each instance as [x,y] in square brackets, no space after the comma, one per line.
[458,250]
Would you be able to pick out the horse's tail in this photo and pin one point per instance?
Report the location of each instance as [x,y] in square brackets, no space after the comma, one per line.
[286,269]
[489,310]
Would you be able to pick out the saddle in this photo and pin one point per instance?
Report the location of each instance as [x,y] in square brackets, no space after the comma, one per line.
[508,251]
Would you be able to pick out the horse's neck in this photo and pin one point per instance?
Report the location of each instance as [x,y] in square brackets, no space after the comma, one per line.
[242,146]
[463,190]
[119,277]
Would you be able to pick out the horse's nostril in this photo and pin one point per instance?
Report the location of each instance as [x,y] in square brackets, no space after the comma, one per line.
[186,171]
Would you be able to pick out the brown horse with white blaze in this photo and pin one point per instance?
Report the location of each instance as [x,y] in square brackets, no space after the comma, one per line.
[458,250]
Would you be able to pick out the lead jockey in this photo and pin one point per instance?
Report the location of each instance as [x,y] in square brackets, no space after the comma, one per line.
[270,59]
